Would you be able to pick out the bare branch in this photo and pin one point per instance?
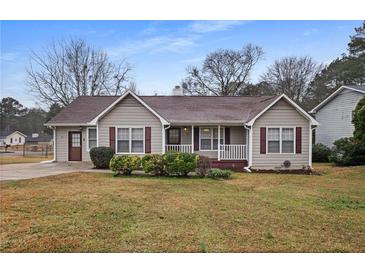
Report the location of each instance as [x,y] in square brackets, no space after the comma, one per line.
[70,69]
[224,72]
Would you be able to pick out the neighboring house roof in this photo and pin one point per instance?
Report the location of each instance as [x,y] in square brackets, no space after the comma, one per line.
[86,110]
[6,133]
[40,138]
[360,89]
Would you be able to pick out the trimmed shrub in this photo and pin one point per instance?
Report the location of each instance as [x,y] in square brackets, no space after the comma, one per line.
[101,156]
[180,164]
[125,164]
[203,166]
[216,173]
[348,152]
[320,153]
[153,163]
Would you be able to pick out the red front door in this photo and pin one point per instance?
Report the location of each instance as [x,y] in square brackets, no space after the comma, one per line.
[74,146]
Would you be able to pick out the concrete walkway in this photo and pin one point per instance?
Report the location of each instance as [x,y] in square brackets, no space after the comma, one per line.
[35,170]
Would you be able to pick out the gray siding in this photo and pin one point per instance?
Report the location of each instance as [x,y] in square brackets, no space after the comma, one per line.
[335,117]
[62,143]
[281,115]
[129,112]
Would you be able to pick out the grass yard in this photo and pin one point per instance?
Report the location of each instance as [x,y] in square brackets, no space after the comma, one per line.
[5,160]
[94,212]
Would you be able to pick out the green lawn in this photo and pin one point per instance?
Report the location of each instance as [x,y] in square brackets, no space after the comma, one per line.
[92,212]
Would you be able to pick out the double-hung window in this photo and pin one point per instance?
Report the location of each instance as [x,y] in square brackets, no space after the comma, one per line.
[273,140]
[209,138]
[280,140]
[91,138]
[287,140]
[130,140]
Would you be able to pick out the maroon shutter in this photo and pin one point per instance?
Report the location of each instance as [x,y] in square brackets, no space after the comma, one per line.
[227,136]
[112,138]
[262,140]
[147,140]
[298,140]
[196,139]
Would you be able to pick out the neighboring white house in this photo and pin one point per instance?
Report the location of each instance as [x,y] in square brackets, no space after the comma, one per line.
[335,113]
[264,132]
[12,138]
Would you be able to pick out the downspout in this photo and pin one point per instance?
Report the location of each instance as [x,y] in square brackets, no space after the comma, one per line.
[54,144]
[247,168]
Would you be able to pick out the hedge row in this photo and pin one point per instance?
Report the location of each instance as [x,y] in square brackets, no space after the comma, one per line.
[171,163]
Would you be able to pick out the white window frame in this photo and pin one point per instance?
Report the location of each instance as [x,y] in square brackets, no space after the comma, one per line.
[87,137]
[211,138]
[130,140]
[280,140]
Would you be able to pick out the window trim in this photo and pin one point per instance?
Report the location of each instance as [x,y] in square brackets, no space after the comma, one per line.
[87,137]
[211,138]
[280,140]
[130,140]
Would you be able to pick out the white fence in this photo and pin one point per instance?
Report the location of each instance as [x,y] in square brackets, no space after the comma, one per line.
[227,152]
[233,152]
[179,148]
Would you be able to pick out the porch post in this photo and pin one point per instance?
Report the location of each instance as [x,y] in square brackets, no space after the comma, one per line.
[192,138]
[219,142]
[163,139]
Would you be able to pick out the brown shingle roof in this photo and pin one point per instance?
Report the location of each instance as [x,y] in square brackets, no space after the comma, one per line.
[207,108]
[83,109]
[175,109]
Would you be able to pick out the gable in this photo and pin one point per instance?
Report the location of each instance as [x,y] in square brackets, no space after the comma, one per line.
[122,98]
[16,134]
[129,109]
[282,113]
[346,100]
[343,89]
[287,103]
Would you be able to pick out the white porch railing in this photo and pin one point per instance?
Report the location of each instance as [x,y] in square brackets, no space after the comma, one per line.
[179,148]
[233,152]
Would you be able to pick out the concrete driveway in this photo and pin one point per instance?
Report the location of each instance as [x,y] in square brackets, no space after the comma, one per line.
[34,170]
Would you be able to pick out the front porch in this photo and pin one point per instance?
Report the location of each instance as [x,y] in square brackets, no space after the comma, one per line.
[203,140]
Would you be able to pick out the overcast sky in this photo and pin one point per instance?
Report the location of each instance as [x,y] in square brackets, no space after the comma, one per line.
[159,51]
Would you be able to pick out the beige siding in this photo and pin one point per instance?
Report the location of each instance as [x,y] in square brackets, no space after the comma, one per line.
[238,136]
[335,118]
[129,112]
[281,115]
[62,143]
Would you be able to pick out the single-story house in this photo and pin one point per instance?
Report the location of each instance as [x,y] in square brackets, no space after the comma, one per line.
[12,138]
[264,132]
[335,114]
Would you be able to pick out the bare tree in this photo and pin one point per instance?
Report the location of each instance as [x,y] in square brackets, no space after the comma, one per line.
[292,76]
[72,68]
[225,72]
